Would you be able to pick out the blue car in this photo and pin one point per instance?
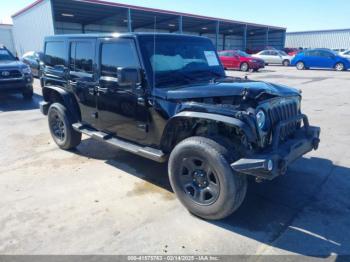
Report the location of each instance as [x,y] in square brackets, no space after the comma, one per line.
[320,58]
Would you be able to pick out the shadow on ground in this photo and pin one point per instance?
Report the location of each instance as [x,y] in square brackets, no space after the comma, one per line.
[15,102]
[271,208]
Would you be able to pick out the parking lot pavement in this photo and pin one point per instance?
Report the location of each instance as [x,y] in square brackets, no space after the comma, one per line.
[105,201]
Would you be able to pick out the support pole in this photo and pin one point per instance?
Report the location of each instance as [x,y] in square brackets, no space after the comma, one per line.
[245,30]
[217,34]
[267,36]
[180,25]
[129,21]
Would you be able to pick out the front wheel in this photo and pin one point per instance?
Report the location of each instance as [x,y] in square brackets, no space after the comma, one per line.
[244,67]
[339,67]
[300,66]
[61,129]
[203,180]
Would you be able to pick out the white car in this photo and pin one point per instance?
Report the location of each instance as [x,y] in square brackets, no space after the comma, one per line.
[346,53]
[274,57]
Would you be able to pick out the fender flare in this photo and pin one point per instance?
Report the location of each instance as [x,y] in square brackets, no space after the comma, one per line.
[245,128]
[68,100]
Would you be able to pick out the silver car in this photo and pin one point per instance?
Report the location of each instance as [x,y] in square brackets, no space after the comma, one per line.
[274,57]
[346,54]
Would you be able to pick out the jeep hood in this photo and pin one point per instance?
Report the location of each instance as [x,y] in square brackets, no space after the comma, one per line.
[251,89]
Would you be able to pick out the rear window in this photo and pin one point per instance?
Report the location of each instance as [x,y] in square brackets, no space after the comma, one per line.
[55,54]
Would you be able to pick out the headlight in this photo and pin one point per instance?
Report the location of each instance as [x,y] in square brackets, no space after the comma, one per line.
[26,70]
[261,119]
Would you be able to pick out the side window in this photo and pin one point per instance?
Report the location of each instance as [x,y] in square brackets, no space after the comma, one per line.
[265,53]
[118,54]
[55,54]
[82,57]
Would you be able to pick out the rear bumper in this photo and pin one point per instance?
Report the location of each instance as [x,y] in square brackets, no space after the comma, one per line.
[275,160]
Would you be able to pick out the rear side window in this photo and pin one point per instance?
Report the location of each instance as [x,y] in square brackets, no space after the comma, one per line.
[55,54]
[82,57]
[118,54]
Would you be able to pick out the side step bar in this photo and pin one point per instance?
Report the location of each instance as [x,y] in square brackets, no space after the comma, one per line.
[147,152]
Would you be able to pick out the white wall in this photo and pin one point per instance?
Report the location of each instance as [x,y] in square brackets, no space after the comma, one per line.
[6,37]
[31,27]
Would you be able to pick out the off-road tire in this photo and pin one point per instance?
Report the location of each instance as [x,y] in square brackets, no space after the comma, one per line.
[28,93]
[232,186]
[72,138]
[244,67]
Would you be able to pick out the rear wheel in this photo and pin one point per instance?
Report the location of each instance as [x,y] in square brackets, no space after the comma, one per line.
[244,67]
[203,180]
[339,67]
[61,129]
[300,66]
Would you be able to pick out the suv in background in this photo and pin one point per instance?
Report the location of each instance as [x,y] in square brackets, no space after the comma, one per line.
[15,76]
[34,61]
[236,59]
[166,97]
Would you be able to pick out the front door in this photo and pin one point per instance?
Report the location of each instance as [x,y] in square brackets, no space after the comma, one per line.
[82,78]
[122,110]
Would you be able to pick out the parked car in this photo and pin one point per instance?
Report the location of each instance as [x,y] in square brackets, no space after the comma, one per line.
[236,59]
[258,49]
[320,58]
[345,53]
[34,60]
[274,57]
[291,51]
[15,76]
[166,97]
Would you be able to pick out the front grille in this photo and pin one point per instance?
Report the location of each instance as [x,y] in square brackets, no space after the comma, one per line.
[10,74]
[285,111]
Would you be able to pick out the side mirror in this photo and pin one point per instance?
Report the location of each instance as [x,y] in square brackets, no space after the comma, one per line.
[17,58]
[129,76]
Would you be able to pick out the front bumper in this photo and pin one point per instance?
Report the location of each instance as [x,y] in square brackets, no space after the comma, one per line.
[274,161]
[17,85]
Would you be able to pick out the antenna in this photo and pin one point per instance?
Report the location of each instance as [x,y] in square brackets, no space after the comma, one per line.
[154,52]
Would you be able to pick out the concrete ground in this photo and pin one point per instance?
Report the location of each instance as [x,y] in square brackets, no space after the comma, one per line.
[100,200]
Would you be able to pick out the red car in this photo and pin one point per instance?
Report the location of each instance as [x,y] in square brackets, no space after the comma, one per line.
[236,59]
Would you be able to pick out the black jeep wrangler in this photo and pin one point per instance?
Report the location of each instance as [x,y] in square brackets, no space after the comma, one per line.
[15,76]
[166,97]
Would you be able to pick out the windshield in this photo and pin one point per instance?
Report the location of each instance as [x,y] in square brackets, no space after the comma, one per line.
[6,55]
[242,53]
[179,60]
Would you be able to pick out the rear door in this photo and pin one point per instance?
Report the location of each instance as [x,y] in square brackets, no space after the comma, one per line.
[122,109]
[82,79]
[265,55]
